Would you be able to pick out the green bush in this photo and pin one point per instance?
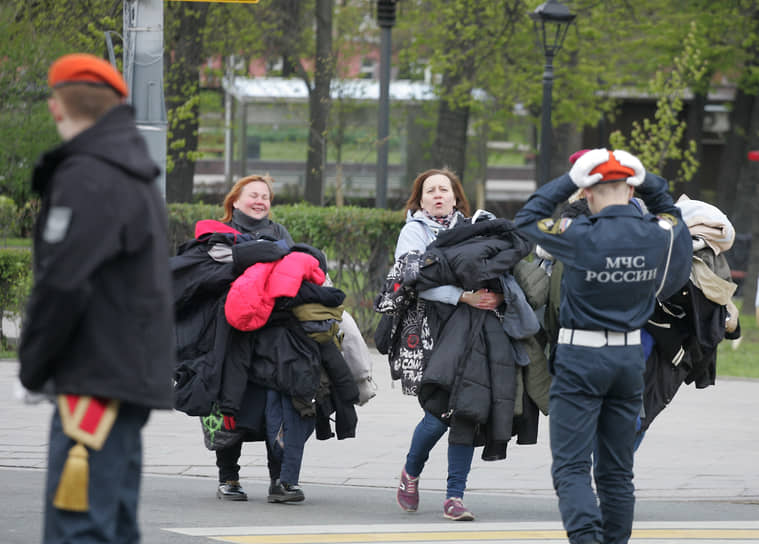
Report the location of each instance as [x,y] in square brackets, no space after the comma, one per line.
[8,213]
[182,219]
[27,215]
[15,285]
[358,242]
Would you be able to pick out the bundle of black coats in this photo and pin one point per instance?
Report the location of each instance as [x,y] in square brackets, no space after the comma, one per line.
[219,366]
[686,329]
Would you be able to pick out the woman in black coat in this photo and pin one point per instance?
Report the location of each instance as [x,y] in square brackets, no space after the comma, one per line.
[246,209]
[207,346]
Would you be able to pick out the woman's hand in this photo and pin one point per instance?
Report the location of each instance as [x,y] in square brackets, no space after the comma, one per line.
[482,299]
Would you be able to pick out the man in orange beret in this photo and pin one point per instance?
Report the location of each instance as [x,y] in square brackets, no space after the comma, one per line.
[99,321]
[616,262]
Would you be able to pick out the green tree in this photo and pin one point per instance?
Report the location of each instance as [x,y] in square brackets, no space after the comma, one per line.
[467,45]
[737,195]
[319,101]
[343,109]
[291,30]
[8,215]
[303,35]
[299,31]
[658,141]
[183,55]
[32,40]
[193,33]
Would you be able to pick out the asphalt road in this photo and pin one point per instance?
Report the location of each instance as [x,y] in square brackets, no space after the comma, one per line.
[173,508]
[696,476]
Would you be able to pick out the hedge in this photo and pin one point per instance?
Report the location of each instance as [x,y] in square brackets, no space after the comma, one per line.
[15,284]
[358,242]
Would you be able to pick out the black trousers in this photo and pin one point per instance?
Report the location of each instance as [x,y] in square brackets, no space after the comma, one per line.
[229,469]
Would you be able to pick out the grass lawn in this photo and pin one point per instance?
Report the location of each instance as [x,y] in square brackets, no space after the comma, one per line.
[212,147]
[740,358]
[296,151]
[15,242]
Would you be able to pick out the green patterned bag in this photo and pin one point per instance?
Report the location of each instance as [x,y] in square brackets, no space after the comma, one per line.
[215,436]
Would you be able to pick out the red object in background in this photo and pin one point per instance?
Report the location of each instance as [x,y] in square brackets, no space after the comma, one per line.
[753,155]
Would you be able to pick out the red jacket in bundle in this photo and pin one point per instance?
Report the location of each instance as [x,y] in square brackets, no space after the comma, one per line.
[251,297]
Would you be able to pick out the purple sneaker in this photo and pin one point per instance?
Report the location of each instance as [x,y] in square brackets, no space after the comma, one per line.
[454,509]
[408,492]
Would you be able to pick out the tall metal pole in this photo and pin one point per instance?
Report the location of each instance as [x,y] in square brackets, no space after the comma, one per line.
[552,20]
[228,139]
[243,115]
[143,72]
[386,20]
[383,117]
[545,126]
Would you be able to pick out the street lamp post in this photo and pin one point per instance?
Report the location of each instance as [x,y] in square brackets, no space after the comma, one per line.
[385,20]
[551,20]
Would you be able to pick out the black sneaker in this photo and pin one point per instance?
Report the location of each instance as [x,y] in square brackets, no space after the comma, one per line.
[282,492]
[274,486]
[231,491]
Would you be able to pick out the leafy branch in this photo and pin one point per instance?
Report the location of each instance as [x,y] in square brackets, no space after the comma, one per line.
[660,140]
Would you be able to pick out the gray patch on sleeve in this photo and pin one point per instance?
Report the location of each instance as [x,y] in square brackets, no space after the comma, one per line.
[57,224]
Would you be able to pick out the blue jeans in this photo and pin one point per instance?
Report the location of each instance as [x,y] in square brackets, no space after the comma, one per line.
[595,399]
[647,341]
[296,429]
[114,484]
[427,433]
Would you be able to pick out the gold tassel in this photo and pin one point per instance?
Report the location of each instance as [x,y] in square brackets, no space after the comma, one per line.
[71,494]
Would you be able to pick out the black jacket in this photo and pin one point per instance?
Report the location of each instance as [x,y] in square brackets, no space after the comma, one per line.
[99,318]
[686,329]
[205,341]
[470,379]
[472,256]
[342,398]
[217,363]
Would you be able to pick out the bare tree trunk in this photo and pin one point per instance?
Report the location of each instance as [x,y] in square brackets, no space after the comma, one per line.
[286,14]
[695,133]
[182,85]
[319,103]
[288,67]
[481,152]
[338,141]
[747,209]
[566,140]
[449,149]
[734,155]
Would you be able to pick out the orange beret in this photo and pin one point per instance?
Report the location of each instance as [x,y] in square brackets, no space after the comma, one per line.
[611,170]
[84,68]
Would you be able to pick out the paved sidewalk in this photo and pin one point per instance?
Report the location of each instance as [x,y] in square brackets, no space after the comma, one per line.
[701,447]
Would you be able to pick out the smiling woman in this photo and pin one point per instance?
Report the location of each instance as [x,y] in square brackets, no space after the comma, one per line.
[246,212]
[255,199]
[247,206]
